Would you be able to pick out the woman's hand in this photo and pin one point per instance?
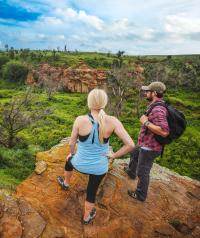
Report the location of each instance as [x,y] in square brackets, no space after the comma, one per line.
[111,157]
[68,156]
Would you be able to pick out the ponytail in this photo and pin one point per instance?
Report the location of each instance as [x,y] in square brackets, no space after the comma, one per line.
[101,121]
[97,100]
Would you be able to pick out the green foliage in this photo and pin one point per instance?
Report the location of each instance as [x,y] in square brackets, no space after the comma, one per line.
[181,74]
[18,114]
[176,71]
[6,93]
[15,71]
[3,60]
[183,154]
[7,181]
[16,164]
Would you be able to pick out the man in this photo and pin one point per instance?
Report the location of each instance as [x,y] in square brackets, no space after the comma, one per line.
[148,148]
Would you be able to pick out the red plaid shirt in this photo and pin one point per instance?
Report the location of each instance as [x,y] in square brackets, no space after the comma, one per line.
[158,116]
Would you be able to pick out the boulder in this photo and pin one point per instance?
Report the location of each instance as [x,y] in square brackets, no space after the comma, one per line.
[40,208]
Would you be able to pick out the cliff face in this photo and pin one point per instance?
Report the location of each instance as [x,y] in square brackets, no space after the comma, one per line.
[39,208]
[81,79]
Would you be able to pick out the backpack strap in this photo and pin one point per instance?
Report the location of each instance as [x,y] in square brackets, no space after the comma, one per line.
[162,151]
[150,108]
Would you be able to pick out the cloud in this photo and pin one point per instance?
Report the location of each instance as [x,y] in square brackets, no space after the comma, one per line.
[91,20]
[49,21]
[120,26]
[69,14]
[61,37]
[195,36]
[17,13]
[1,45]
[9,22]
[44,6]
[138,27]
[148,34]
[181,24]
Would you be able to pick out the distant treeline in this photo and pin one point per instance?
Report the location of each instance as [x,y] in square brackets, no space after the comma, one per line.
[176,71]
[24,131]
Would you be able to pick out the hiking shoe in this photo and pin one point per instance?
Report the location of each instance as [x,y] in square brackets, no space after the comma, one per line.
[127,171]
[90,217]
[134,195]
[61,182]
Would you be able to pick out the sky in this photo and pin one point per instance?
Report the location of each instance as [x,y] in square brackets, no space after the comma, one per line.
[138,27]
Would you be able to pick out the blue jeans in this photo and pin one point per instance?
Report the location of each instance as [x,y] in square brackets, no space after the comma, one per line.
[140,165]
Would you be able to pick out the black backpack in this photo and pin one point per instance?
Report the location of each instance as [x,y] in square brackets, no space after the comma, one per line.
[176,121]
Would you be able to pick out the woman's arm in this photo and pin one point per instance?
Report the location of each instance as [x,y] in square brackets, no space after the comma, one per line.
[74,136]
[124,136]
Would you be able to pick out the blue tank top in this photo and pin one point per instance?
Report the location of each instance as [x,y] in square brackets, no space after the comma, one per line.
[90,157]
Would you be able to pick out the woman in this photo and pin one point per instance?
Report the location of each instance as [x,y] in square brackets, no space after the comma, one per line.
[93,131]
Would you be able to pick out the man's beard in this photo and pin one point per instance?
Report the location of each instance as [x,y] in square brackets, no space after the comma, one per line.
[149,99]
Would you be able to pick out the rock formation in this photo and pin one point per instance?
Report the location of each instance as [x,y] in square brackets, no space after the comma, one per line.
[81,79]
[39,208]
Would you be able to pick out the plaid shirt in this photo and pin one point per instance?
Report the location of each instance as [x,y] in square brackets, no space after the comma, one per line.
[158,116]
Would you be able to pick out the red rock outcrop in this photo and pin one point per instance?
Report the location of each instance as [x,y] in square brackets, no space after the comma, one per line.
[39,208]
[81,79]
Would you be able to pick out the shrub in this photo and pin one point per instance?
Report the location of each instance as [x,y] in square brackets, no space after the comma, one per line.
[3,60]
[16,115]
[17,163]
[15,71]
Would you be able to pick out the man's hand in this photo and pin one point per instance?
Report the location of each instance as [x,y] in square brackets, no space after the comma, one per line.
[143,118]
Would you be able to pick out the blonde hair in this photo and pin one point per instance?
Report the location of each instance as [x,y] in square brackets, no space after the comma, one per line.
[97,100]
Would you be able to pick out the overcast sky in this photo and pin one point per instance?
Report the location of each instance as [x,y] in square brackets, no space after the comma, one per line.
[139,27]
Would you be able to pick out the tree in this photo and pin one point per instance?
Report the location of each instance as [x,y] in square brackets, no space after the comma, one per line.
[120,87]
[169,57]
[155,72]
[12,53]
[124,83]
[32,55]
[3,60]
[119,56]
[6,47]
[24,53]
[120,53]
[54,54]
[52,85]
[15,71]
[17,115]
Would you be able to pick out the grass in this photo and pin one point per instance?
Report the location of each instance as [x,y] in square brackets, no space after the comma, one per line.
[8,181]
[16,164]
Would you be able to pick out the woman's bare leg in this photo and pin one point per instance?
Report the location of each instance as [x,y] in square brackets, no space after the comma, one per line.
[88,208]
[67,175]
